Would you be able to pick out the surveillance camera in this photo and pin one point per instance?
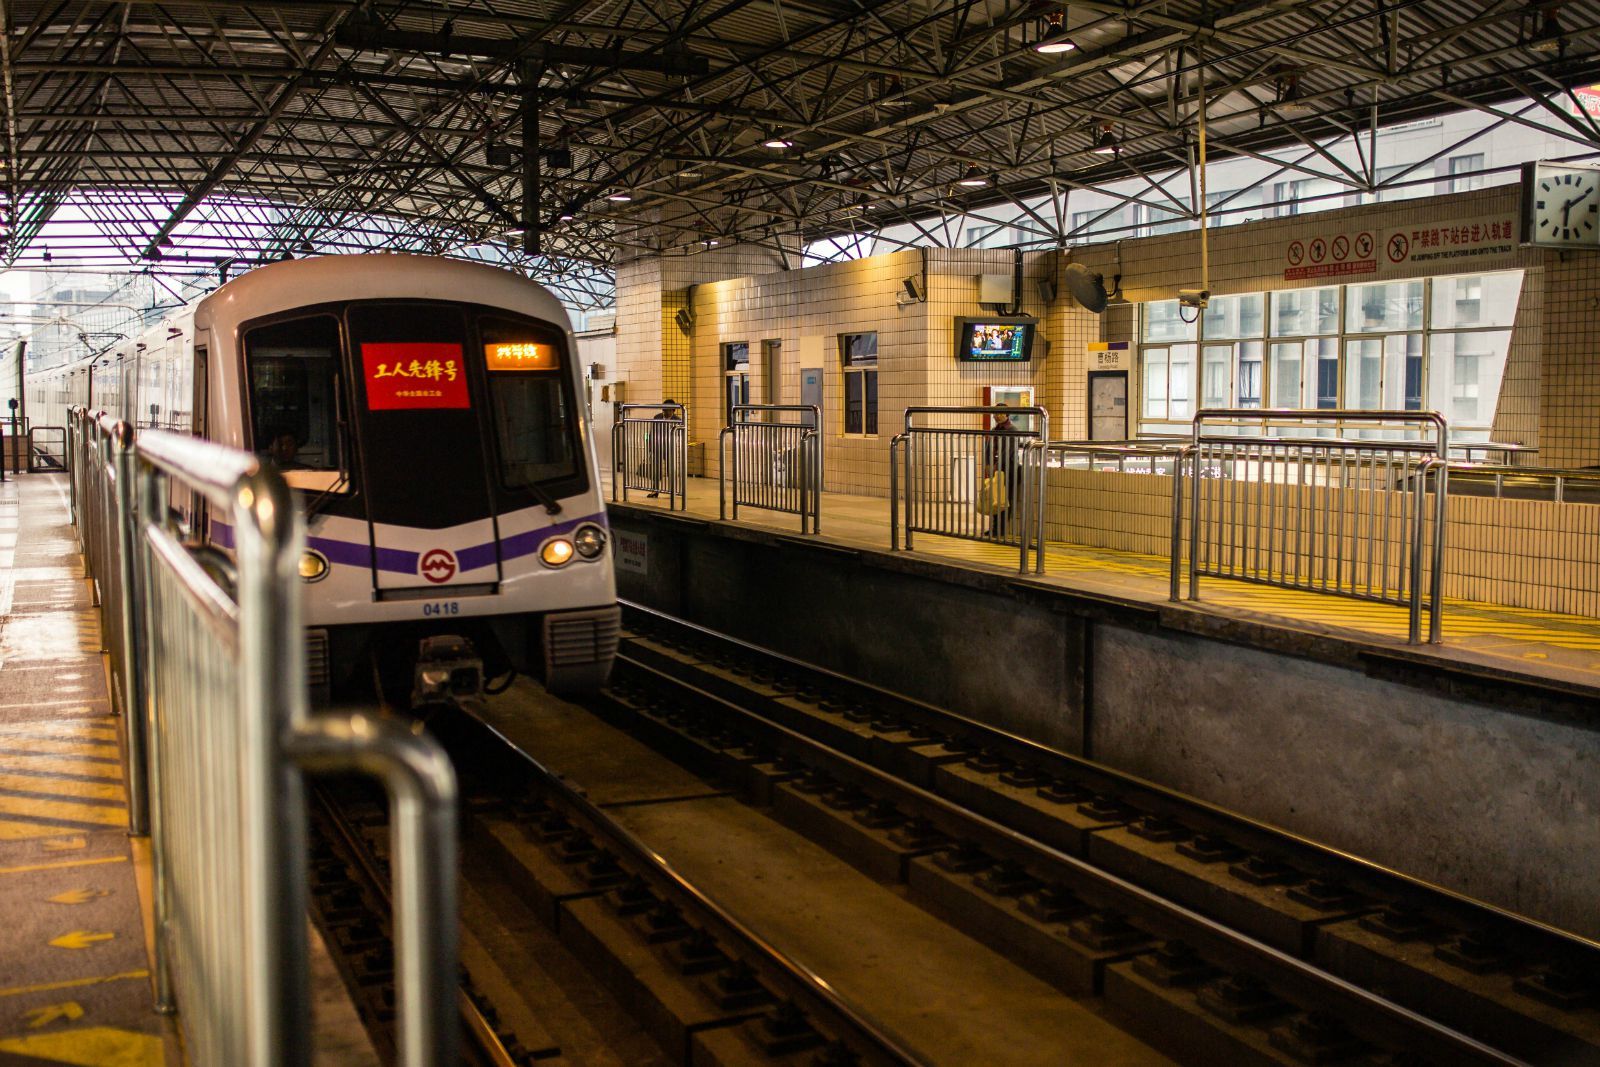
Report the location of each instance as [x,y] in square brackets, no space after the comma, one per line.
[1194,298]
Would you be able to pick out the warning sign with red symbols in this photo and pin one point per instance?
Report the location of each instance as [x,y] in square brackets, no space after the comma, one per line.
[1397,251]
[414,374]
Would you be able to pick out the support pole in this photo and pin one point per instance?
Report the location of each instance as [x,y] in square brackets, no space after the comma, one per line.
[530,158]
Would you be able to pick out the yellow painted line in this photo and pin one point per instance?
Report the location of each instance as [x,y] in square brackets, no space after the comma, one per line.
[71,983]
[62,787]
[101,749]
[94,861]
[27,807]
[88,729]
[23,830]
[32,761]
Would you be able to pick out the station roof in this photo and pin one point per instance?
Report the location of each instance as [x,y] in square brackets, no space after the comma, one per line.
[219,130]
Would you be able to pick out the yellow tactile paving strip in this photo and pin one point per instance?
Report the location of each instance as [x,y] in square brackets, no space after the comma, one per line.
[1564,647]
[74,968]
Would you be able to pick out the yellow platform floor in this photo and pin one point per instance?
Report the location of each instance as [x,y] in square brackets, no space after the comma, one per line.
[1560,648]
[75,981]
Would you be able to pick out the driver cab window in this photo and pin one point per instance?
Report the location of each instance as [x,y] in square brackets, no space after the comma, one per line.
[292,371]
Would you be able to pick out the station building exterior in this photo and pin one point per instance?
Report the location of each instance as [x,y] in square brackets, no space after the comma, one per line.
[1423,304]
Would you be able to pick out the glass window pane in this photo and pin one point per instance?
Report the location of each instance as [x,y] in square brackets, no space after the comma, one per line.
[1384,308]
[1234,316]
[854,402]
[292,368]
[869,380]
[530,417]
[736,355]
[1302,312]
[1402,376]
[1363,371]
[1250,374]
[1464,372]
[1325,351]
[1476,300]
[1180,382]
[1286,360]
[1216,377]
[1155,382]
[1163,323]
[858,348]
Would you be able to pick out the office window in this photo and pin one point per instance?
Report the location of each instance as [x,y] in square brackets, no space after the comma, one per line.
[1462,177]
[858,354]
[1104,220]
[1437,344]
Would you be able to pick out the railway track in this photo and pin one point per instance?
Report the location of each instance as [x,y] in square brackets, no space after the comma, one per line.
[1236,938]
[1209,937]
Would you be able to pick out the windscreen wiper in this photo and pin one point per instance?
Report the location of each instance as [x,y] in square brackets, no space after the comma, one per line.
[551,504]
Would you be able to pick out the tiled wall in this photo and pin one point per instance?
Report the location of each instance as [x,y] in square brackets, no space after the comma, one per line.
[1550,394]
[1553,569]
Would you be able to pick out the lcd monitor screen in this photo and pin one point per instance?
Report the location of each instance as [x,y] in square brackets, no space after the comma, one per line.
[992,341]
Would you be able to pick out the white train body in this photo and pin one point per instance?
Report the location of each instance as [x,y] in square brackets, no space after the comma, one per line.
[430,412]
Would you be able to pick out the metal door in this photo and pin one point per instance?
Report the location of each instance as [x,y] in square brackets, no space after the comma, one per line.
[1108,405]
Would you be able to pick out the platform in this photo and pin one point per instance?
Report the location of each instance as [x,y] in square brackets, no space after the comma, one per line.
[75,983]
[1542,648]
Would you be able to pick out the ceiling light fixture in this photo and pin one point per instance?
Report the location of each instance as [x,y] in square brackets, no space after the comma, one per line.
[778,141]
[619,197]
[1551,36]
[1053,39]
[889,89]
[973,178]
[568,218]
[1107,142]
[1289,101]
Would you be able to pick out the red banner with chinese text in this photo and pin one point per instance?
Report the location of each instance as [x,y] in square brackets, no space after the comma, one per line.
[414,374]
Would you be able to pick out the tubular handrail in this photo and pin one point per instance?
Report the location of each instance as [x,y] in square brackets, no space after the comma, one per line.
[1281,511]
[916,507]
[213,677]
[1557,479]
[798,491]
[638,453]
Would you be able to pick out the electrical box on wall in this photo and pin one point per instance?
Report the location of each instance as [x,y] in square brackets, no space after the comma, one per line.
[995,289]
[614,393]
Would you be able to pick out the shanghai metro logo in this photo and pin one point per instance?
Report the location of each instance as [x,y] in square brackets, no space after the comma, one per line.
[437,565]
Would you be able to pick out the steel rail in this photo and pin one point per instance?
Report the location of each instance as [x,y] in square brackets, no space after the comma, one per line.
[574,799]
[1375,1013]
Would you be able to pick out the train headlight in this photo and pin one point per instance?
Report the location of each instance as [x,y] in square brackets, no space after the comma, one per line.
[556,552]
[590,540]
[313,566]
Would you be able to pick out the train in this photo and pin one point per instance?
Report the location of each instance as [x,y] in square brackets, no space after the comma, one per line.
[430,414]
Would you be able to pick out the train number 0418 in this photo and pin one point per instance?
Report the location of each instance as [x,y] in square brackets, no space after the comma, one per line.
[443,607]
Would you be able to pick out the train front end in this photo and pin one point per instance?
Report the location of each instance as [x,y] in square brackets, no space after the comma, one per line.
[431,415]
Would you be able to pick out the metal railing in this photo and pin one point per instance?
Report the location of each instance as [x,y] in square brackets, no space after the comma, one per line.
[47,449]
[1123,457]
[216,682]
[940,478]
[1347,515]
[651,453]
[772,456]
[1525,483]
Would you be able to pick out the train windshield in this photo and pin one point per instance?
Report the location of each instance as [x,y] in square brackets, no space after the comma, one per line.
[292,368]
[529,397]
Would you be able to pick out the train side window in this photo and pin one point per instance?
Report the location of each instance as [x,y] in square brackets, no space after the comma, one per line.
[292,372]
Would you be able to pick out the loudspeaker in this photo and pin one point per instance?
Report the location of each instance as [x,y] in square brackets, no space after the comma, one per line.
[914,289]
[1047,289]
[685,319]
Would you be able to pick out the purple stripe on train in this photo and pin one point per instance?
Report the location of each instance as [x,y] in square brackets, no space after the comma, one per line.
[398,561]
